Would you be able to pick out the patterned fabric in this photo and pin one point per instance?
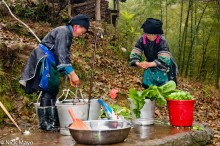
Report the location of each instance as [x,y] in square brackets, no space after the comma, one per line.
[135,56]
[154,76]
[164,60]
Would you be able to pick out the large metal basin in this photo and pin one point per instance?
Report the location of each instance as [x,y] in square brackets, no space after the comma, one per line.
[102,132]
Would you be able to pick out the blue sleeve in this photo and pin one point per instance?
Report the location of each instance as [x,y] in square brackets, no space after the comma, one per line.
[68,69]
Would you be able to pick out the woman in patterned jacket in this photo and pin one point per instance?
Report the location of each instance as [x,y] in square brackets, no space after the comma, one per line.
[159,66]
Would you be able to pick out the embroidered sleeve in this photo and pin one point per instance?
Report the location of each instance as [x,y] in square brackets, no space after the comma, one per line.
[136,53]
[163,60]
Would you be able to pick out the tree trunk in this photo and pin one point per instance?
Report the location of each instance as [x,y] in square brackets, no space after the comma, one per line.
[98,10]
[180,32]
[197,28]
[194,41]
[185,37]
[192,46]
[166,19]
[202,72]
[69,9]
[218,59]
[161,10]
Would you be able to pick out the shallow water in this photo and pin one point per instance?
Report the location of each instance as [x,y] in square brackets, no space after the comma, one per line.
[137,135]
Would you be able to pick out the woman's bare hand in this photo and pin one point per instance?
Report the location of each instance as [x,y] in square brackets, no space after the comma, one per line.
[74,79]
[145,65]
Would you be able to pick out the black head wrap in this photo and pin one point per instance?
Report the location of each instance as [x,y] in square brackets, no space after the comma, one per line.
[81,19]
[152,26]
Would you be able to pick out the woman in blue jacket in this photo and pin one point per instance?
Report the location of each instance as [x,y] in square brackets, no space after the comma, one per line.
[159,66]
[46,61]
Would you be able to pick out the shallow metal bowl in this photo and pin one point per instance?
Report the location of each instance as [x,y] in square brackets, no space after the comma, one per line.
[102,132]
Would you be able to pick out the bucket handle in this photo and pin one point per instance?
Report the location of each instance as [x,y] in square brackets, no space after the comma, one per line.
[68,92]
[80,92]
[65,92]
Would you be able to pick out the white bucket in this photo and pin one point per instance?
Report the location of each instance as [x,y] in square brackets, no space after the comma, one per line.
[94,109]
[147,112]
[80,110]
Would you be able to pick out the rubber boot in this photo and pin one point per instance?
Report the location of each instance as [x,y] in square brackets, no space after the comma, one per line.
[53,117]
[45,118]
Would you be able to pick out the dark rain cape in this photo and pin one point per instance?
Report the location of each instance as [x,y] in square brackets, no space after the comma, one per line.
[57,43]
[157,51]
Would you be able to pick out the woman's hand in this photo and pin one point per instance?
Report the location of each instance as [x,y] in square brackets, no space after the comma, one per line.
[139,64]
[74,80]
[145,64]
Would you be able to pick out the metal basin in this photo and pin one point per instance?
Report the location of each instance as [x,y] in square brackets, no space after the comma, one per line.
[102,132]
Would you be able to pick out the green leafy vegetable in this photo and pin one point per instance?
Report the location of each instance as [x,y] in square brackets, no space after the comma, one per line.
[138,98]
[122,111]
[168,87]
[196,127]
[153,93]
[159,94]
[180,95]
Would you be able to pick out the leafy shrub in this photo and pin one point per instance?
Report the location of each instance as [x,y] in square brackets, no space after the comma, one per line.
[31,12]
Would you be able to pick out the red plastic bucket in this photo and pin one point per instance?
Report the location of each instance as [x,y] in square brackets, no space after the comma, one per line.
[181,112]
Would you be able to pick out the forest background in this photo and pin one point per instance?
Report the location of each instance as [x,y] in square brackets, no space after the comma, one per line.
[191,28]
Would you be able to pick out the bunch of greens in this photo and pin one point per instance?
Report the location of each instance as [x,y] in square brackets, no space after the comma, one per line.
[180,95]
[121,111]
[156,93]
[138,98]
[159,94]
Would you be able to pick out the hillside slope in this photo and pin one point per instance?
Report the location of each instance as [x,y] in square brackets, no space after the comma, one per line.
[111,70]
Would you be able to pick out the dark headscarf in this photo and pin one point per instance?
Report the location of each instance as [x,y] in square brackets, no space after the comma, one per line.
[152,26]
[81,19]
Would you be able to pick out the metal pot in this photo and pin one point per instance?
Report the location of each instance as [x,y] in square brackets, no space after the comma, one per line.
[102,132]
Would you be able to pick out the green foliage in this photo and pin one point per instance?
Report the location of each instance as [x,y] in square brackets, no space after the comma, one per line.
[8,106]
[35,13]
[115,41]
[7,102]
[126,29]
[10,89]
[81,41]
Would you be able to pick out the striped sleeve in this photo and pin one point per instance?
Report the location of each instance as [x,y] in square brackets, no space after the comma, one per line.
[136,53]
